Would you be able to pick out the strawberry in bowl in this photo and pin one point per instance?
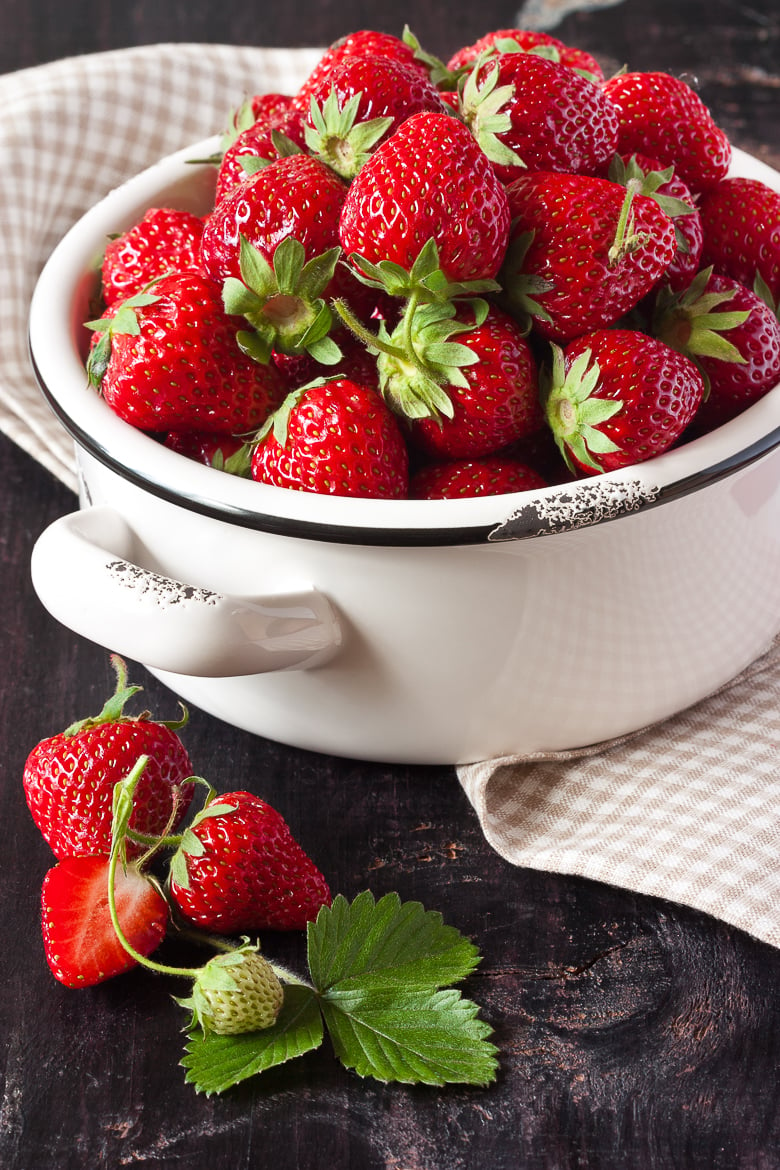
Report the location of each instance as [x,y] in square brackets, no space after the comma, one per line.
[333,574]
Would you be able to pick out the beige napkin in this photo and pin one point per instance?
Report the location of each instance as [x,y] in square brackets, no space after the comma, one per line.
[70,132]
[687,811]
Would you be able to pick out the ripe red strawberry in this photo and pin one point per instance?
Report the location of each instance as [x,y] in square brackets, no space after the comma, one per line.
[296,197]
[336,437]
[661,116]
[363,43]
[359,103]
[618,397]
[492,475]
[508,40]
[430,180]
[583,251]
[741,223]
[79,939]
[480,396]
[170,360]
[69,778]
[731,334]
[530,113]
[239,868]
[254,146]
[164,240]
[675,198]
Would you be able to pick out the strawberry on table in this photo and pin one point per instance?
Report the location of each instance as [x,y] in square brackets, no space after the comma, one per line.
[169,359]
[492,475]
[661,116]
[429,181]
[164,240]
[583,251]
[69,777]
[741,225]
[617,397]
[79,939]
[530,113]
[239,868]
[334,436]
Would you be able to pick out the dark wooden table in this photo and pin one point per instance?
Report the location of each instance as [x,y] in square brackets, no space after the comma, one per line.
[633,1033]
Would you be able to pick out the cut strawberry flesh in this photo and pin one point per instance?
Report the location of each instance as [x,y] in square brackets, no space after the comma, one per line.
[79,939]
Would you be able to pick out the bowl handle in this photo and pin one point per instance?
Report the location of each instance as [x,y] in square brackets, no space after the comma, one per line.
[82,572]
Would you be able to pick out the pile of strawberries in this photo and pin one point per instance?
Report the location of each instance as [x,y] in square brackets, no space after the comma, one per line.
[232,867]
[432,280]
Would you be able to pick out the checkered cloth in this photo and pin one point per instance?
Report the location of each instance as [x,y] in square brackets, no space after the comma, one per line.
[688,810]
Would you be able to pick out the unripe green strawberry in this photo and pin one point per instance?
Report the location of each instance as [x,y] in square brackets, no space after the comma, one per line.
[235,992]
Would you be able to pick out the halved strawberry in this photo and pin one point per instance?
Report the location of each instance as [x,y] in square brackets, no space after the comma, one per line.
[81,945]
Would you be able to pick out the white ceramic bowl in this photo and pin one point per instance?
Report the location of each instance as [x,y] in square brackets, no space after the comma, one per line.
[410,631]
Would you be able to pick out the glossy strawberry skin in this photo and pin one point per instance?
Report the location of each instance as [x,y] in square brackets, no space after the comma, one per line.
[430,180]
[250,874]
[164,240]
[661,116]
[560,121]
[685,264]
[184,371]
[211,450]
[736,385]
[500,403]
[80,943]
[573,221]
[660,390]
[492,475]
[297,196]
[341,440]
[528,40]
[69,783]
[363,43]
[741,225]
[387,88]
[256,142]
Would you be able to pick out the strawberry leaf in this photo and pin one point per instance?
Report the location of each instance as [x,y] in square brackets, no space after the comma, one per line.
[433,1038]
[377,946]
[215,1063]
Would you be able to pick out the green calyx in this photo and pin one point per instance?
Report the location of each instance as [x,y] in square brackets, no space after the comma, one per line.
[483,107]
[420,357]
[425,280]
[338,139]
[694,322]
[113,708]
[521,289]
[283,302]
[649,183]
[442,77]
[234,993]
[574,413]
[124,320]
[285,147]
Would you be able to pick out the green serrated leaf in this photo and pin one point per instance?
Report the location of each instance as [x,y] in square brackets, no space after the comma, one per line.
[215,1063]
[367,945]
[256,273]
[415,1037]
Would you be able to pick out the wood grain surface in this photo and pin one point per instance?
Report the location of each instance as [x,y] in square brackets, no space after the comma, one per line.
[633,1033]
